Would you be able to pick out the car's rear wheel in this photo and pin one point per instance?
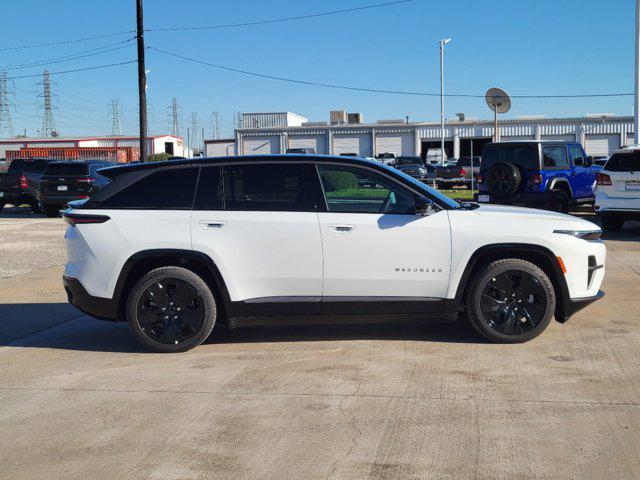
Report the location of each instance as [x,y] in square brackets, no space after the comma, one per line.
[442,186]
[171,309]
[560,201]
[36,207]
[611,224]
[510,301]
[51,211]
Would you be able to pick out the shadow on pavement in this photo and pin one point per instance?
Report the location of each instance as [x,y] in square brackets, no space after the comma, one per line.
[19,212]
[61,326]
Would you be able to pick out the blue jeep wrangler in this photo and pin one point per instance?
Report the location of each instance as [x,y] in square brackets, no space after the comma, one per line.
[552,175]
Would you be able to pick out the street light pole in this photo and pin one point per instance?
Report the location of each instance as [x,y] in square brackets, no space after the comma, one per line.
[636,105]
[442,44]
[142,82]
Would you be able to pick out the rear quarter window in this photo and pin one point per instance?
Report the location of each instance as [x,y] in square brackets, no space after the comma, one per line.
[624,162]
[169,189]
[35,166]
[16,166]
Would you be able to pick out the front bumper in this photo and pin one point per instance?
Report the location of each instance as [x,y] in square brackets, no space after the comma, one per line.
[574,305]
[102,308]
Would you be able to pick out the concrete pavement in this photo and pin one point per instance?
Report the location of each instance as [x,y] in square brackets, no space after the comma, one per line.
[80,399]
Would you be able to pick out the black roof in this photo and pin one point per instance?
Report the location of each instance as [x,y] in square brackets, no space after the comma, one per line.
[113,172]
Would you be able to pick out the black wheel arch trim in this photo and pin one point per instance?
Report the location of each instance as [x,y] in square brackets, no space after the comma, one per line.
[563,304]
[551,185]
[183,258]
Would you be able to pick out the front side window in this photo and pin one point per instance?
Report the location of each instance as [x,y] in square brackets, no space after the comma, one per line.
[577,156]
[357,190]
[261,187]
[555,156]
[170,189]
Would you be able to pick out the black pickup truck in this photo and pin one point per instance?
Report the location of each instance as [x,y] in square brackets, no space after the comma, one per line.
[19,184]
[458,174]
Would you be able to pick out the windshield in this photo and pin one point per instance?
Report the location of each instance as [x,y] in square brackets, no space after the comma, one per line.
[624,162]
[424,188]
[524,155]
[67,169]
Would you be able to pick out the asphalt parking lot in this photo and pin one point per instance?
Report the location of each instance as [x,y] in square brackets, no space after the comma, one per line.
[80,399]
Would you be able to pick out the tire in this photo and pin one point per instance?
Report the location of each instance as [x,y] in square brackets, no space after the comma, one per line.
[2,204]
[442,186]
[503,179]
[51,211]
[611,224]
[560,201]
[36,207]
[520,283]
[171,324]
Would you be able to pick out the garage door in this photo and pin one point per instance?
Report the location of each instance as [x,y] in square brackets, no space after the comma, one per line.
[601,145]
[360,144]
[516,138]
[261,145]
[398,143]
[569,137]
[317,142]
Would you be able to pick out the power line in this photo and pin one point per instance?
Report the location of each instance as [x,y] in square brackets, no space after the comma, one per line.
[66,42]
[62,72]
[74,56]
[280,20]
[374,90]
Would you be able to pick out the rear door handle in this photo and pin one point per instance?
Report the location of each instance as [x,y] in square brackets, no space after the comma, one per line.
[341,228]
[212,224]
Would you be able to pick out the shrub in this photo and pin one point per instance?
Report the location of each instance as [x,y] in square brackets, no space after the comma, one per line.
[336,181]
[158,157]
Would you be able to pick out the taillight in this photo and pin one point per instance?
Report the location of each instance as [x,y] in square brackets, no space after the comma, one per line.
[86,180]
[480,178]
[74,219]
[536,179]
[23,182]
[463,172]
[603,179]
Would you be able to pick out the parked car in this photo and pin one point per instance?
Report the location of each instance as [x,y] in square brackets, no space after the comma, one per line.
[350,154]
[62,182]
[458,174]
[618,189]
[386,158]
[178,251]
[598,163]
[18,185]
[546,174]
[413,166]
[303,151]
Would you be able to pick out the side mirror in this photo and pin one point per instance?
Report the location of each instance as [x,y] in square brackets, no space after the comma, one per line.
[423,207]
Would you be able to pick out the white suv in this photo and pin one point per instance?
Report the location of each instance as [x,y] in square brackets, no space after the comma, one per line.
[618,189]
[174,247]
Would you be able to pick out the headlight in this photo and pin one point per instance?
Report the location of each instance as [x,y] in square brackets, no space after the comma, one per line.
[422,171]
[583,234]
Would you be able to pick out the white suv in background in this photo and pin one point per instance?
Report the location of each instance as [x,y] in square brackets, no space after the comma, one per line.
[174,247]
[618,188]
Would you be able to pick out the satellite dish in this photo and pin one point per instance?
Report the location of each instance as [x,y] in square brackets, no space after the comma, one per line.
[500,102]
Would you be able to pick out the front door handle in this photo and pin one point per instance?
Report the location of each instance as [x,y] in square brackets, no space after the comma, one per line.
[212,224]
[342,228]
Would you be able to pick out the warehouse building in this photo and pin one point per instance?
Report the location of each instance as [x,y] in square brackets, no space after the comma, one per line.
[116,148]
[601,134]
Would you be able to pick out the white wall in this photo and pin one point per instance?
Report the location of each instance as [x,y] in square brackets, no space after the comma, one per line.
[220,149]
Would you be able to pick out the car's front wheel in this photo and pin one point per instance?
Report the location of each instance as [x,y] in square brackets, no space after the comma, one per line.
[171,309]
[611,223]
[510,301]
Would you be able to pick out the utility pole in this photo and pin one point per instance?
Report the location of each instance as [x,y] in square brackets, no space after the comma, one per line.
[636,109]
[142,82]
[442,44]
[6,123]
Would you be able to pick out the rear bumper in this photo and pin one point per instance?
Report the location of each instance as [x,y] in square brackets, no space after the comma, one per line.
[627,207]
[574,305]
[536,200]
[102,308]
[56,200]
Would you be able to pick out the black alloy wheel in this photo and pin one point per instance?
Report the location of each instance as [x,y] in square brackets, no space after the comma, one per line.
[171,309]
[510,301]
[513,302]
[503,179]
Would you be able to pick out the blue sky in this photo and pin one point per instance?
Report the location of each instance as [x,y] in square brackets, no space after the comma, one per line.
[523,46]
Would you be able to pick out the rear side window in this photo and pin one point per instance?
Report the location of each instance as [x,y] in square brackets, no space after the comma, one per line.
[171,189]
[277,187]
[66,169]
[35,166]
[524,155]
[209,195]
[554,156]
[624,162]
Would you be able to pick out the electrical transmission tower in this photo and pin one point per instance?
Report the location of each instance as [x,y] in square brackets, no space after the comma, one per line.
[48,122]
[215,125]
[174,117]
[194,140]
[6,124]
[116,117]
